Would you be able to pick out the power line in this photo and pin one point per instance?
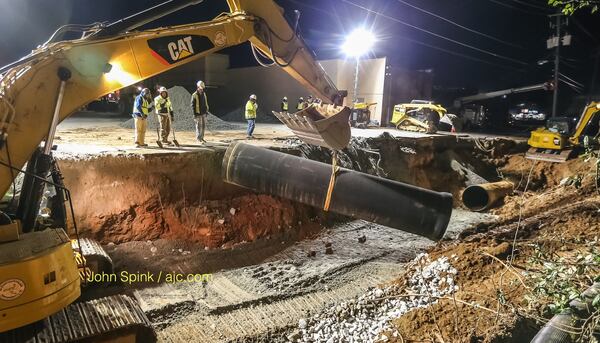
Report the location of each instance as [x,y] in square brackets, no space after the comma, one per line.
[461,26]
[454,53]
[435,34]
[516,8]
[530,5]
[460,54]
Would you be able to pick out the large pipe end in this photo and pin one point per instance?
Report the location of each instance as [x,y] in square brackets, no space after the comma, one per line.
[442,218]
[475,198]
[483,196]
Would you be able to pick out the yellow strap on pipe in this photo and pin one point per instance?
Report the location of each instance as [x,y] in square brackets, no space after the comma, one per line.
[334,170]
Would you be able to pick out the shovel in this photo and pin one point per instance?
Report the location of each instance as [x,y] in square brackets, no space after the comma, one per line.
[173,129]
[158,142]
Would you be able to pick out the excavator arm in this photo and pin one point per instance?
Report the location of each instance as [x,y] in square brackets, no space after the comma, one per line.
[47,86]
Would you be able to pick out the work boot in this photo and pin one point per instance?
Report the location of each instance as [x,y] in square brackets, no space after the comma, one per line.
[137,145]
[167,142]
[249,137]
[144,145]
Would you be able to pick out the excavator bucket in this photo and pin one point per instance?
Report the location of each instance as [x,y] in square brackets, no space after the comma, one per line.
[548,155]
[323,125]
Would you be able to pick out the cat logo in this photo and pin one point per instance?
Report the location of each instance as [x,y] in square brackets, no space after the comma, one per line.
[172,49]
[181,49]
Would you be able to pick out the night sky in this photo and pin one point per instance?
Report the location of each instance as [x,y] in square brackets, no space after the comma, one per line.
[519,29]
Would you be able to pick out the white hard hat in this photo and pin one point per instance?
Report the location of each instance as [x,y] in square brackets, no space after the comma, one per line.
[253,97]
[200,84]
[285,98]
[162,89]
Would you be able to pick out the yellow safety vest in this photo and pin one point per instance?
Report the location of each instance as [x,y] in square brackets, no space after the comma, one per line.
[145,106]
[300,106]
[162,105]
[251,110]
[284,105]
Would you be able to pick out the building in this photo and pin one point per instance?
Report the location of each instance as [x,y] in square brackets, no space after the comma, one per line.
[228,88]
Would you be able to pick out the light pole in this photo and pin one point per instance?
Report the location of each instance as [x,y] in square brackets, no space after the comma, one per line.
[358,43]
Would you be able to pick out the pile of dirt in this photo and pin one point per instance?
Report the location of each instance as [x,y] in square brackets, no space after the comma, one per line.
[184,119]
[516,273]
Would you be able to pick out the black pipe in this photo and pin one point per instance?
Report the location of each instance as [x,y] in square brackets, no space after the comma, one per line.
[558,329]
[144,17]
[382,201]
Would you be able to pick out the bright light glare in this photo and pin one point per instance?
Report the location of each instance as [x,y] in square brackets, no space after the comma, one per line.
[117,74]
[358,43]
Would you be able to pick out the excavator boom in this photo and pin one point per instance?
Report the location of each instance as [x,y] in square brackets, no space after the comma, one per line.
[45,87]
[107,59]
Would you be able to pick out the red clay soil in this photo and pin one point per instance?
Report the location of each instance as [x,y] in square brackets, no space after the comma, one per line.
[121,198]
[492,304]
[211,223]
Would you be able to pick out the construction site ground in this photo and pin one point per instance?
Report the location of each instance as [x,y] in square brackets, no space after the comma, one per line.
[276,264]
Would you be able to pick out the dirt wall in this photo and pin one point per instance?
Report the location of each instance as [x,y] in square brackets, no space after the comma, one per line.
[144,197]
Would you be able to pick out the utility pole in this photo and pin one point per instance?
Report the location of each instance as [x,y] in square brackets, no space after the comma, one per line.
[556,64]
[355,100]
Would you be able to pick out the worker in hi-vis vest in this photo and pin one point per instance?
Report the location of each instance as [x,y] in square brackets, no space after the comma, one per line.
[164,112]
[141,108]
[251,107]
[284,105]
[200,110]
[301,104]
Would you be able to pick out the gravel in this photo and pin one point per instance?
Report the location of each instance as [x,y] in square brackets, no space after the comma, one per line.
[367,317]
[184,119]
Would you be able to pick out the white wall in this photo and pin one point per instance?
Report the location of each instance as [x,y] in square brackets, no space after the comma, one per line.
[273,83]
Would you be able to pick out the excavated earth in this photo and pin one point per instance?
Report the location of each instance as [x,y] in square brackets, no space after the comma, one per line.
[272,261]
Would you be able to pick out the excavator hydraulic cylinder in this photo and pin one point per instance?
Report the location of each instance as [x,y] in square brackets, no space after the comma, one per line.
[358,195]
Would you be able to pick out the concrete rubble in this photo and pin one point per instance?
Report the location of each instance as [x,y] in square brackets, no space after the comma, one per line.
[366,318]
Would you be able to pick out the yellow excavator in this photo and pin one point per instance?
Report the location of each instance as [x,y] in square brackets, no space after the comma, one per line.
[41,255]
[557,141]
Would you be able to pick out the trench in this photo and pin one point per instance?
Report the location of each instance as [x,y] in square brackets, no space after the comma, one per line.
[131,197]
[172,212]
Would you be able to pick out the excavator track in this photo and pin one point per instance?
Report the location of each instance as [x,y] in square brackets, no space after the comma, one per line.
[547,155]
[117,318]
[96,259]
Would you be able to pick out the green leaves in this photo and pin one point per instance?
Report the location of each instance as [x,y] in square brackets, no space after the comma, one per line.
[570,6]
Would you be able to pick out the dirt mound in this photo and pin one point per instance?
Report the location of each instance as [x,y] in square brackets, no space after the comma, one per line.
[505,300]
[184,119]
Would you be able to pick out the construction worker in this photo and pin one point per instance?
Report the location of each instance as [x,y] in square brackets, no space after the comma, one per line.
[164,111]
[251,107]
[309,100]
[301,104]
[141,108]
[200,109]
[284,105]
